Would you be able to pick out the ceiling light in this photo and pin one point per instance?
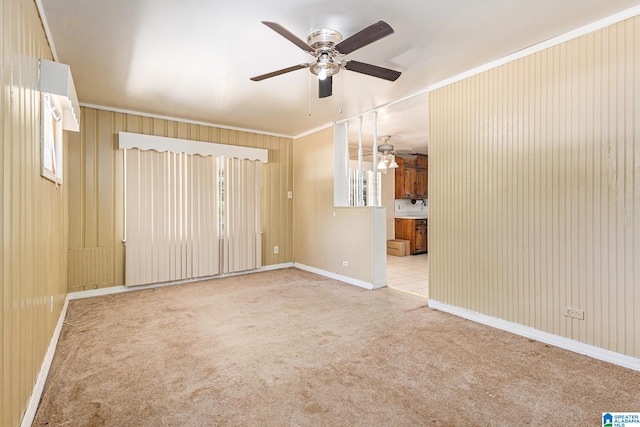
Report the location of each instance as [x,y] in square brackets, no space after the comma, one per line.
[382,165]
[393,163]
[324,67]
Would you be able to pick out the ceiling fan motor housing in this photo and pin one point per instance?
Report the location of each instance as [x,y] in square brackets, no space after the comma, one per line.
[385,148]
[324,39]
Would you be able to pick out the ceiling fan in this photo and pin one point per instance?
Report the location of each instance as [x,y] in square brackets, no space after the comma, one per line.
[328,47]
[385,149]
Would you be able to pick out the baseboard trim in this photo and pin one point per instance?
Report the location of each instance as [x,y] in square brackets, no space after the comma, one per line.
[122,289]
[276,266]
[380,284]
[545,337]
[345,279]
[38,388]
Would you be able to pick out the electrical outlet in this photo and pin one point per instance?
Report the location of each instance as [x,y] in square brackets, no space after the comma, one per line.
[345,263]
[575,313]
[276,250]
[290,194]
[51,304]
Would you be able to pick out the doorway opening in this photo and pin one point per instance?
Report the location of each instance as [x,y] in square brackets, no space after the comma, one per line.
[409,274]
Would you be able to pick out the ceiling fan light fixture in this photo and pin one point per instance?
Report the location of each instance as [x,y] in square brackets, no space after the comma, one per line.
[324,67]
[393,164]
[382,165]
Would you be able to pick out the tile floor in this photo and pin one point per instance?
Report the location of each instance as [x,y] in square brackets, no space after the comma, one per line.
[409,274]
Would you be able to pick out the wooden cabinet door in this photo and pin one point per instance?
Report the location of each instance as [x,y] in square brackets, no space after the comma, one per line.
[421,183]
[399,187]
[406,230]
[410,175]
[399,173]
[421,240]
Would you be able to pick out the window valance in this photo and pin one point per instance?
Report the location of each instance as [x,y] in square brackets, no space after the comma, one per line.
[55,79]
[159,143]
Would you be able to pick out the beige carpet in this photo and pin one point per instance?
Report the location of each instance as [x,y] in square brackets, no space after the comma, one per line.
[292,348]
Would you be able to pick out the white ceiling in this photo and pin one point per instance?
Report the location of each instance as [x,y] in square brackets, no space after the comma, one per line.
[192,59]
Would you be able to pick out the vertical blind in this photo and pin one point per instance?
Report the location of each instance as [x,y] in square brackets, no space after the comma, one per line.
[242,220]
[190,216]
[172,217]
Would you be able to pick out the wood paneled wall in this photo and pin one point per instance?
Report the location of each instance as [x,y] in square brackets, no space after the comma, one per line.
[95,177]
[33,259]
[534,186]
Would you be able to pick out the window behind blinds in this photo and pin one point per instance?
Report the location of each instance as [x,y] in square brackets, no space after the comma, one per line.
[190,216]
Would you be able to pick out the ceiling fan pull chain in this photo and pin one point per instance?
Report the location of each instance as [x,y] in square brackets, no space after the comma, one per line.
[340,111]
[309,93]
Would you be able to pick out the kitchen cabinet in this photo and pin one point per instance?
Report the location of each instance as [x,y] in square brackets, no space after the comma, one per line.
[409,183]
[421,236]
[412,177]
[415,231]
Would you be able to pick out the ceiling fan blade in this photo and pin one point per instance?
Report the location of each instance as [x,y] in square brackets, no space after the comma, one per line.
[406,155]
[372,33]
[372,70]
[289,36]
[325,87]
[277,73]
